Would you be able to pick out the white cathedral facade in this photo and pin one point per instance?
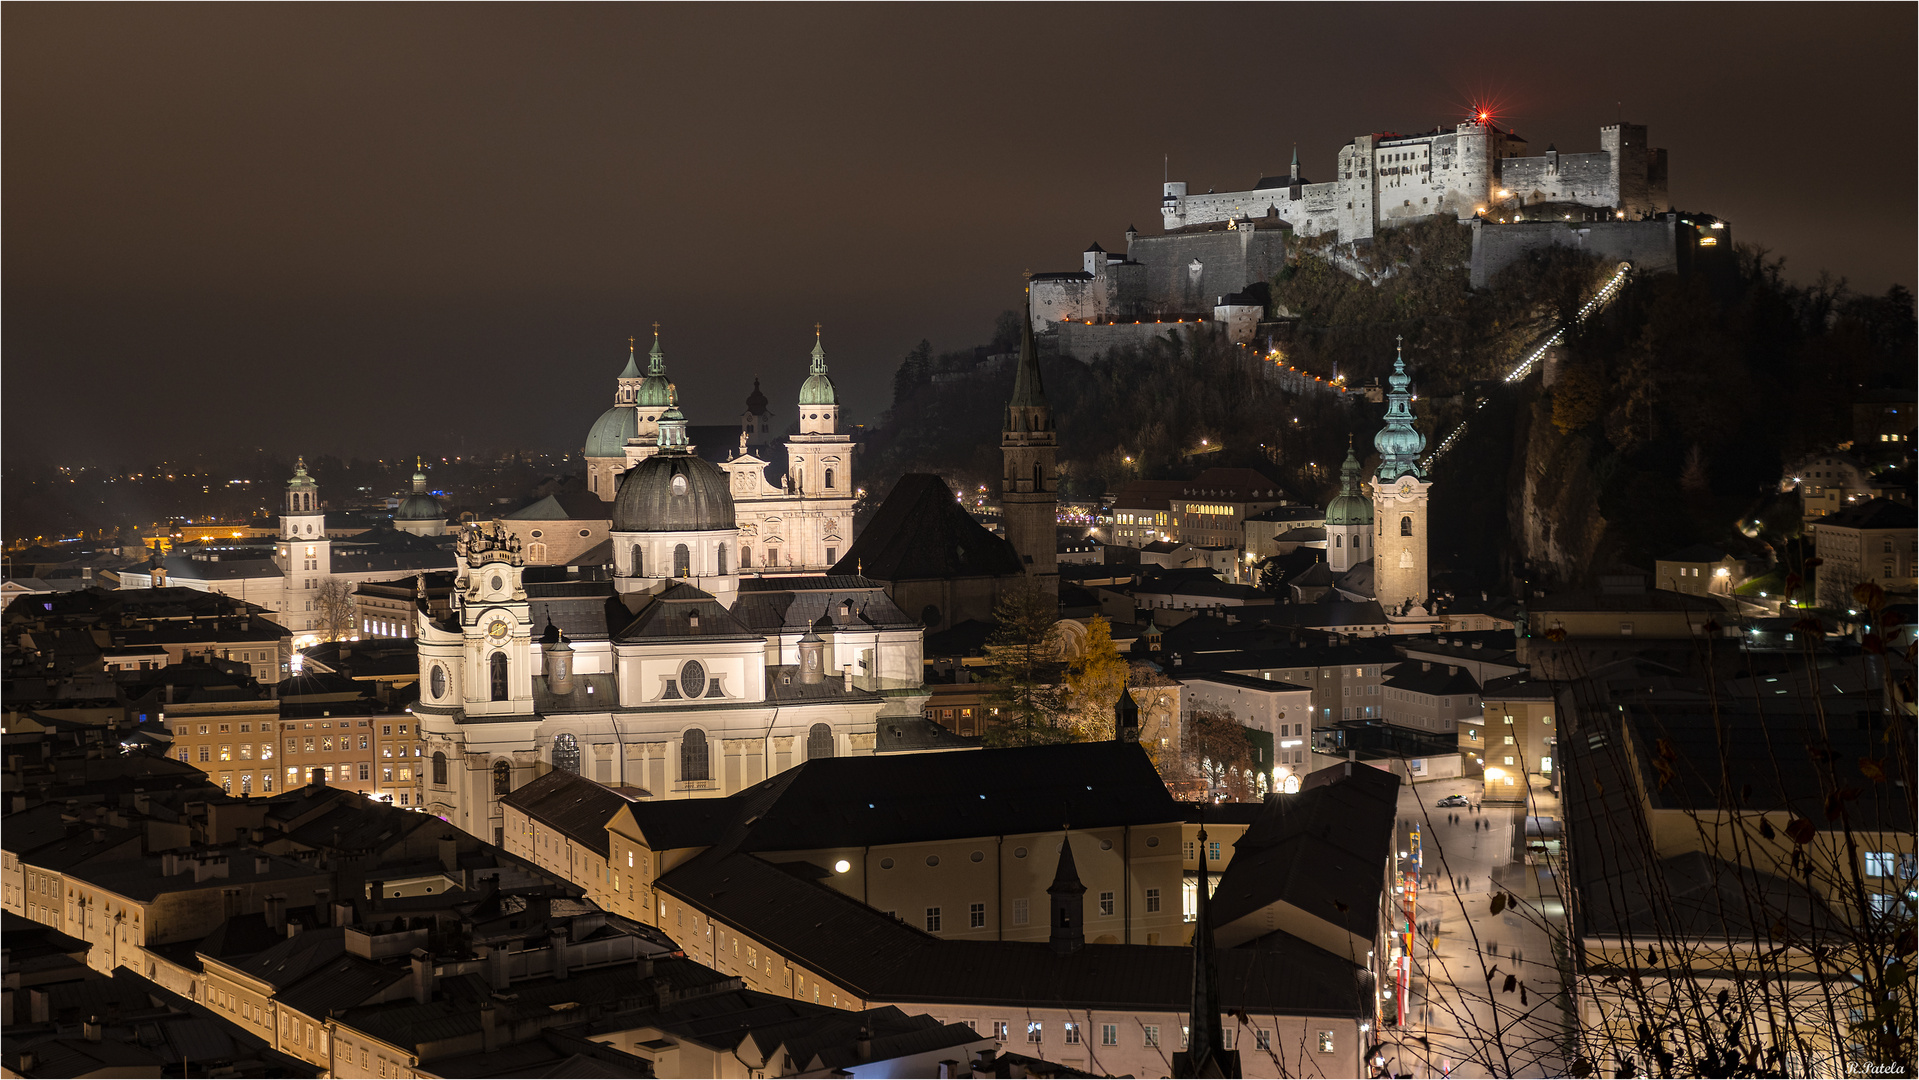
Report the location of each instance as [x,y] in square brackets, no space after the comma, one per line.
[683,669]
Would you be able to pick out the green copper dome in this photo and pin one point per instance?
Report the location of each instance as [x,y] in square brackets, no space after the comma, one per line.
[1399,442]
[818,389]
[1349,507]
[610,432]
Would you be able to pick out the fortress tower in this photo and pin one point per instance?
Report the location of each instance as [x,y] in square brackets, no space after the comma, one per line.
[1400,500]
[1029,491]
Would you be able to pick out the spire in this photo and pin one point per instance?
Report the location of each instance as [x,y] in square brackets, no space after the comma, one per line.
[632,370]
[1205,1054]
[1349,470]
[1125,718]
[656,360]
[1399,442]
[819,353]
[1028,391]
[419,476]
[1295,173]
[1069,902]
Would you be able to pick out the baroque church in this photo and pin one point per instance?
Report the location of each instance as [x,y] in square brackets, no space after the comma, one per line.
[709,641]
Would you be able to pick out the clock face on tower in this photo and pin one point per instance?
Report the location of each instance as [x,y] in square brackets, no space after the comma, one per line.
[497,629]
[1405,486]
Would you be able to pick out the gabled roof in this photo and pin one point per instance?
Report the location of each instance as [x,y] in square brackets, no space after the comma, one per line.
[1436,680]
[572,805]
[921,532]
[566,506]
[682,611]
[1874,514]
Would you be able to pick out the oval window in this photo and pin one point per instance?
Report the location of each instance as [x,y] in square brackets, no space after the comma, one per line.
[692,679]
[536,534]
[978,856]
[1152,841]
[679,485]
[886,864]
[1019,853]
[586,532]
[1106,845]
[498,583]
[932,860]
[439,681]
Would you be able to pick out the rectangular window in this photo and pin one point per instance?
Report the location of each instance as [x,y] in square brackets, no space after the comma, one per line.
[1106,903]
[1226,1039]
[1019,911]
[999,1030]
[1884,903]
[932,920]
[1152,1034]
[1192,851]
[366,771]
[1109,1034]
[1212,850]
[976,916]
[1072,1034]
[1263,1039]
[1035,1031]
[206,753]
[1152,900]
[1879,863]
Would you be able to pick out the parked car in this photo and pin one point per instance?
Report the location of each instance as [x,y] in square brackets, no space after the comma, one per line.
[1454,800]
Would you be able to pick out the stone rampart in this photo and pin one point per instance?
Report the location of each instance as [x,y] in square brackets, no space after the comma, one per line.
[1087,343]
[1189,272]
[1650,246]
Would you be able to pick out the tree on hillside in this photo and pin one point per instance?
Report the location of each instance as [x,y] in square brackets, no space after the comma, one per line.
[914,372]
[1093,683]
[1023,654]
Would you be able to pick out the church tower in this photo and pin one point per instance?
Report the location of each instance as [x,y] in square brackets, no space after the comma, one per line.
[303,552]
[819,468]
[1029,492]
[1401,494]
[606,441]
[1349,520]
[650,400]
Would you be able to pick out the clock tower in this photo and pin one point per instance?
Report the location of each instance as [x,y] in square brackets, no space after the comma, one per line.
[496,625]
[1401,494]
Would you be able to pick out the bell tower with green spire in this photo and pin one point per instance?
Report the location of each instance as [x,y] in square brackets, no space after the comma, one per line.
[1349,519]
[819,467]
[1401,494]
[1029,484]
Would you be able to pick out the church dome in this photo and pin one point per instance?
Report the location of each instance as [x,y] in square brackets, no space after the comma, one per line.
[610,432]
[818,390]
[673,492]
[419,507]
[1349,507]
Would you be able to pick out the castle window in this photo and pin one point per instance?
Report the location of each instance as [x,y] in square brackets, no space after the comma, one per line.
[639,561]
[682,561]
[566,752]
[439,769]
[1406,526]
[819,742]
[693,757]
[499,676]
[502,778]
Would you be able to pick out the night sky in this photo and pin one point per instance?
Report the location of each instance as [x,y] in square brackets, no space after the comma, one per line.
[379,230]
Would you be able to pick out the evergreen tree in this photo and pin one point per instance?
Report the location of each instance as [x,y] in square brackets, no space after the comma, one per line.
[914,372]
[1024,656]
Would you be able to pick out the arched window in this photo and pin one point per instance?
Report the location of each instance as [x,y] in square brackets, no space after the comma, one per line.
[693,763]
[566,752]
[439,769]
[722,558]
[1406,526]
[819,742]
[746,556]
[829,477]
[502,778]
[682,561]
[499,676]
[1338,540]
[639,561]
[536,553]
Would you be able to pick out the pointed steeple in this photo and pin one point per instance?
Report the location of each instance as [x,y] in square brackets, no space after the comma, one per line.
[1295,172]
[652,391]
[655,359]
[1028,390]
[1125,718]
[1069,902]
[1205,1053]
[819,353]
[632,370]
[818,388]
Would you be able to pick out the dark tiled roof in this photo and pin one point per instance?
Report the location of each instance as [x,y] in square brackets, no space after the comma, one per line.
[571,506]
[1431,679]
[1699,553]
[672,614]
[803,601]
[1327,846]
[1242,682]
[571,804]
[920,532]
[1876,514]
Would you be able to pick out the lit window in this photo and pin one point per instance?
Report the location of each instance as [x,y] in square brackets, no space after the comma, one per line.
[1035,1031]
[1325,1042]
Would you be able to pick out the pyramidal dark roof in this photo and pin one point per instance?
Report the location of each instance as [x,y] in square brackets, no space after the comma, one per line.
[1028,391]
[920,531]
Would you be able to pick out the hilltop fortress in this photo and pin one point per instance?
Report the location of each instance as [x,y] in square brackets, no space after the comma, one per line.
[1387,180]
[1211,266]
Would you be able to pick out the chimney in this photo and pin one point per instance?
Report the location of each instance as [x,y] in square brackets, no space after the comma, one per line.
[499,967]
[91,1029]
[1425,665]
[423,977]
[343,913]
[449,854]
[318,778]
[846,677]
[1351,756]
[863,1045]
[812,659]
[240,834]
[276,913]
[489,1033]
[374,891]
[557,944]
[99,834]
[646,968]
[322,905]
[261,864]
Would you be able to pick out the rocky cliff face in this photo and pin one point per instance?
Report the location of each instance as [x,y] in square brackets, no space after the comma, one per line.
[1552,498]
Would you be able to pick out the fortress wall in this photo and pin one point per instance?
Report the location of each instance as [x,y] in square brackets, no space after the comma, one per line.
[1651,246]
[1055,300]
[1187,272]
[1087,343]
[1586,179]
